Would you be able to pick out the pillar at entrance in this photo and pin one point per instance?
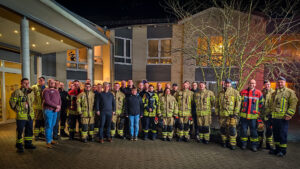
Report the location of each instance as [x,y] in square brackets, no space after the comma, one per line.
[90,65]
[25,53]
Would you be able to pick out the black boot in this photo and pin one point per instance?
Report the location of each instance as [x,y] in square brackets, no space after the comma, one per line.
[244,145]
[179,139]
[71,136]
[232,147]
[145,136]
[274,151]
[63,133]
[153,136]
[169,139]
[19,147]
[164,139]
[205,141]
[29,146]
[254,148]
[84,140]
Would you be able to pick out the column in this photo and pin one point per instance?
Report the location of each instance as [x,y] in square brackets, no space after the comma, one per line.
[25,48]
[38,67]
[90,65]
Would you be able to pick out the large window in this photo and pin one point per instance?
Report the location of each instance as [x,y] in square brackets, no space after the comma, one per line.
[77,59]
[122,50]
[159,51]
[210,51]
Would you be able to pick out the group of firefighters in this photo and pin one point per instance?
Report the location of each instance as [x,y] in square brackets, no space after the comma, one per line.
[184,113]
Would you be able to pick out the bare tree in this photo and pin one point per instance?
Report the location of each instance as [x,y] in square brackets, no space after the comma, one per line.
[240,40]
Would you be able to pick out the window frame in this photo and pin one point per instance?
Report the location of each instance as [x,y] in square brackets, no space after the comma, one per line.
[159,52]
[124,50]
[76,62]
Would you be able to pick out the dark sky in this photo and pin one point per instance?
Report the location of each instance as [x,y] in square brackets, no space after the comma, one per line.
[113,13]
[101,11]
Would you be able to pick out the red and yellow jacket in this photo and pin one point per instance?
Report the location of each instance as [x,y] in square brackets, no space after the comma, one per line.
[252,103]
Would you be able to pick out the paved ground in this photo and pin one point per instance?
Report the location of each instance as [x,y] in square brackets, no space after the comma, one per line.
[129,155]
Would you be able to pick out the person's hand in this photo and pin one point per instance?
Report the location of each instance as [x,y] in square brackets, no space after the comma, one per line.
[141,116]
[287,117]
[150,109]
[98,113]
[127,116]
[58,107]
[114,113]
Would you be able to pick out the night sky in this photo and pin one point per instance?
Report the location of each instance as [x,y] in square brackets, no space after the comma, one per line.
[109,12]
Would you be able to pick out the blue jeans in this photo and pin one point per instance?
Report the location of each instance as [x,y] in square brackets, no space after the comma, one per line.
[50,120]
[134,125]
[56,126]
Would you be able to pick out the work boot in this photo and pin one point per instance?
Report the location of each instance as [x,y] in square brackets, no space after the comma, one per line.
[268,146]
[224,145]
[29,146]
[253,148]
[169,139]
[198,139]
[153,136]
[274,151]
[109,140]
[185,139]
[205,141]
[145,136]
[179,139]
[92,139]
[20,148]
[71,136]
[260,145]
[63,133]
[244,145]
[232,147]
[85,140]
[164,139]
[41,135]
[280,154]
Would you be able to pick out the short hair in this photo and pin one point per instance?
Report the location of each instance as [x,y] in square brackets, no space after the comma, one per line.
[75,81]
[42,77]
[133,88]
[186,81]
[116,83]
[88,84]
[151,86]
[195,82]
[105,83]
[23,79]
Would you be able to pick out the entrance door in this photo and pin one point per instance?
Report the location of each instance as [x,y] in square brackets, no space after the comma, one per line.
[12,82]
[1,97]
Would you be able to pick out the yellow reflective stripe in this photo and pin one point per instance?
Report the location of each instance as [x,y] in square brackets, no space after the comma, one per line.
[27,138]
[283,145]
[244,138]
[254,139]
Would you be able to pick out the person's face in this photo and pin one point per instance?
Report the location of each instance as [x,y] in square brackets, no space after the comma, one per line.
[123,83]
[202,86]
[159,86]
[151,89]
[117,87]
[41,82]
[76,85]
[62,85]
[252,84]
[227,85]
[25,84]
[194,85]
[268,85]
[175,88]
[281,83]
[51,84]
[168,86]
[57,84]
[146,86]
[168,91]
[106,88]
[141,85]
[94,88]
[88,87]
[133,92]
[72,87]
[130,82]
[185,85]
[88,81]
[99,88]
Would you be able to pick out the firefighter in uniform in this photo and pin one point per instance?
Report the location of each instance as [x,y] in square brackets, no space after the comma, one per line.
[85,108]
[252,102]
[204,101]
[184,100]
[72,111]
[266,118]
[118,119]
[38,108]
[167,110]
[228,107]
[21,101]
[151,102]
[283,107]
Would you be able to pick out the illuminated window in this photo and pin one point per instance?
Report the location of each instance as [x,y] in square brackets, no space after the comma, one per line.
[122,50]
[210,51]
[77,59]
[98,59]
[159,51]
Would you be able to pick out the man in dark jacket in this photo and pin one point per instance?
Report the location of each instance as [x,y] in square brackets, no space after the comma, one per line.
[194,125]
[105,107]
[134,109]
[63,111]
